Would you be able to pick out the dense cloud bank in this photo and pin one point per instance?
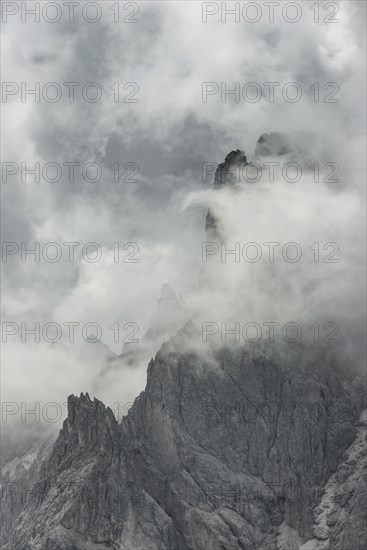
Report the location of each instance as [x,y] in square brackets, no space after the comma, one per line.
[173,136]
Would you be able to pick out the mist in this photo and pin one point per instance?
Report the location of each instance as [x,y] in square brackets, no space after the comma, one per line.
[163,212]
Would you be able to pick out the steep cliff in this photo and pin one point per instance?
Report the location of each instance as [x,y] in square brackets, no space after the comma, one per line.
[251,446]
[232,451]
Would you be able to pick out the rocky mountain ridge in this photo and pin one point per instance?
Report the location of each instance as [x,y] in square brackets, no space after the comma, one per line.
[251,446]
[228,453]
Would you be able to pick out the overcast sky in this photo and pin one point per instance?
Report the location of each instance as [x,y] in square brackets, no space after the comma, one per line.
[169,133]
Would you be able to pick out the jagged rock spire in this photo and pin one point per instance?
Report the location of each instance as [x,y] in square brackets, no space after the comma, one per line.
[227,174]
[272,145]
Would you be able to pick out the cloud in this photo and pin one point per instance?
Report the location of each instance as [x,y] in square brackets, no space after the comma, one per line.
[170,133]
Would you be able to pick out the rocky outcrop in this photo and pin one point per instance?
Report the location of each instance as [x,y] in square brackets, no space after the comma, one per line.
[84,472]
[17,480]
[228,174]
[256,446]
[228,450]
[341,517]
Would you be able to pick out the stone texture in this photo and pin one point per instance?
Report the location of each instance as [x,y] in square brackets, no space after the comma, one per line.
[215,454]
[254,447]
[228,174]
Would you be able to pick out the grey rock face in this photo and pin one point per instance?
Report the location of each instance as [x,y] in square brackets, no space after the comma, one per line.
[227,174]
[252,447]
[228,453]
[341,517]
[17,479]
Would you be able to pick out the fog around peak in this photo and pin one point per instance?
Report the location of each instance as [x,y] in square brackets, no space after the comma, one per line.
[172,134]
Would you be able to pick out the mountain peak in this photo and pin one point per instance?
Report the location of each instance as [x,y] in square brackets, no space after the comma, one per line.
[168,316]
[272,145]
[235,156]
[167,293]
[224,174]
[83,408]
